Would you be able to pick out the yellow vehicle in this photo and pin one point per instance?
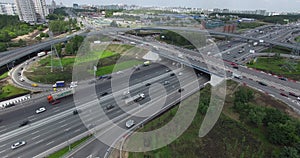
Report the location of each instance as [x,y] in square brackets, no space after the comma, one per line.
[34,85]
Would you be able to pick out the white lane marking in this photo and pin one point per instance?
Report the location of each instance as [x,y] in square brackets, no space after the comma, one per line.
[35,132]
[55,111]
[61,121]
[35,137]
[63,125]
[2,145]
[77,130]
[49,143]
[3,130]
[39,141]
[33,119]
[3,151]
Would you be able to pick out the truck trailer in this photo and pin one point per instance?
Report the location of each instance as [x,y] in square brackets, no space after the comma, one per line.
[59,84]
[58,95]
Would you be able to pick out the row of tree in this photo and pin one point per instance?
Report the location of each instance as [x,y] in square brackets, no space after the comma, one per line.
[61,26]
[280,129]
[71,47]
[277,19]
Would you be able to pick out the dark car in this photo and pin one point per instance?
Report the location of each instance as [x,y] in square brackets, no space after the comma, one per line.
[75,112]
[104,94]
[180,90]
[147,84]
[283,78]
[109,107]
[262,83]
[283,94]
[172,74]
[24,123]
[293,94]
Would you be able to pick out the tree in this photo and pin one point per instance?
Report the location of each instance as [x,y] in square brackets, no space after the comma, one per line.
[3,47]
[58,49]
[114,24]
[39,38]
[21,42]
[282,134]
[289,152]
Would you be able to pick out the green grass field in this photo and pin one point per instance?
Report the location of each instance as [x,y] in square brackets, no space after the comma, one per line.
[297,39]
[281,67]
[278,49]
[41,72]
[3,76]
[10,91]
[118,67]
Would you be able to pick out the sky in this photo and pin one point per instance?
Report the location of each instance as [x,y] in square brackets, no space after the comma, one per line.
[269,5]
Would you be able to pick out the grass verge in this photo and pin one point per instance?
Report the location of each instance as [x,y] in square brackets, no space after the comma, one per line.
[278,49]
[65,150]
[9,91]
[3,76]
[278,66]
[117,67]
[230,136]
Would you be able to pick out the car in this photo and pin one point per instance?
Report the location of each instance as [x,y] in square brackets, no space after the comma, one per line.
[34,85]
[147,84]
[129,123]
[180,90]
[75,112]
[55,102]
[180,73]
[172,74]
[166,82]
[283,78]
[22,79]
[293,94]
[40,110]
[17,144]
[104,94]
[262,83]
[168,70]
[298,98]
[109,107]
[24,123]
[283,94]
[109,77]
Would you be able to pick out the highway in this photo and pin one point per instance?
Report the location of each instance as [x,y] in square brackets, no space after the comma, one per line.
[50,135]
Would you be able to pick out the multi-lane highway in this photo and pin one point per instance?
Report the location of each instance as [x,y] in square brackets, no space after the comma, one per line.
[65,124]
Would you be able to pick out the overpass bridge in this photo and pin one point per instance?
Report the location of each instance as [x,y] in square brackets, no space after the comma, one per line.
[10,56]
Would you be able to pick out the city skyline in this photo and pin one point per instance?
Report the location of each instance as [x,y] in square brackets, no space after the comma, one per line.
[274,5]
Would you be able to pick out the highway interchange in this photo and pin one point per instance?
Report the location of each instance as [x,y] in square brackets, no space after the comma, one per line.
[58,124]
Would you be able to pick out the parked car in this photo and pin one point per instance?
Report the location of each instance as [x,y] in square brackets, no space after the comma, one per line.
[283,94]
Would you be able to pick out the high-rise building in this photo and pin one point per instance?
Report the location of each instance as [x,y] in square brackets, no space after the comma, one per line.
[8,9]
[32,11]
[41,10]
[26,10]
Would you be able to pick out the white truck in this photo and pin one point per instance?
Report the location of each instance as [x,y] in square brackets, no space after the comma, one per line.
[135,98]
[234,75]
[255,43]
[41,54]
[61,94]
[261,41]
[252,51]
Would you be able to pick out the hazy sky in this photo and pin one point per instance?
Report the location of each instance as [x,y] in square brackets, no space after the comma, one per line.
[270,5]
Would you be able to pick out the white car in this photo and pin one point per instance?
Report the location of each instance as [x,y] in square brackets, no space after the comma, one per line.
[21,79]
[129,123]
[298,98]
[180,73]
[40,110]
[17,145]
